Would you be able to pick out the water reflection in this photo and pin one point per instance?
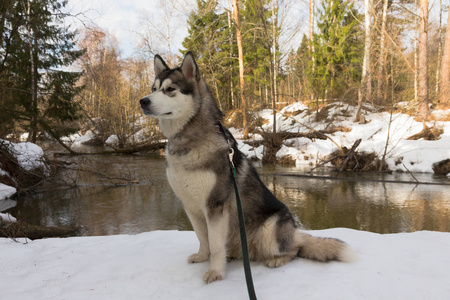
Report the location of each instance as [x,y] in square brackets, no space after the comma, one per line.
[371,206]
[151,205]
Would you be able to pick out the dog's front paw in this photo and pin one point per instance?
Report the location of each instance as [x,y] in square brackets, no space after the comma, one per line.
[213,275]
[196,258]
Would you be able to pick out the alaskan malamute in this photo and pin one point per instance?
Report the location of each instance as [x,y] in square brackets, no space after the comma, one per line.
[198,172]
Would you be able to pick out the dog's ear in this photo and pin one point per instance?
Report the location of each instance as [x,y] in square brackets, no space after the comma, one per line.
[159,65]
[189,67]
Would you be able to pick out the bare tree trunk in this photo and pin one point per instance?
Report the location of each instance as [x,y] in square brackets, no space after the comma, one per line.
[423,111]
[416,56]
[311,23]
[365,90]
[311,30]
[32,133]
[439,58]
[274,66]
[231,56]
[445,73]
[241,65]
[382,61]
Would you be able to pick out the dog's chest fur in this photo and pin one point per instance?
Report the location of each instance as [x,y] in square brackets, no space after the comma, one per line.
[188,175]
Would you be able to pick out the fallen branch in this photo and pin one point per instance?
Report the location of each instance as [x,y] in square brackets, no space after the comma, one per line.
[427,133]
[145,147]
[318,132]
[350,155]
[25,230]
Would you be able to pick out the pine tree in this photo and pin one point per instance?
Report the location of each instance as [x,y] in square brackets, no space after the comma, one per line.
[208,38]
[337,50]
[260,31]
[303,63]
[37,49]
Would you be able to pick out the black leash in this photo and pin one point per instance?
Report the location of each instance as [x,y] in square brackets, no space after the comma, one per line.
[242,230]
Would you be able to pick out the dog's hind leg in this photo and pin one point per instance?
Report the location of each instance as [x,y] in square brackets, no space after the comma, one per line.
[274,242]
[278,261]
[198,221]
[218,223]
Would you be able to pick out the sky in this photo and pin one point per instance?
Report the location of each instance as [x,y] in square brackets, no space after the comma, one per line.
[128,20]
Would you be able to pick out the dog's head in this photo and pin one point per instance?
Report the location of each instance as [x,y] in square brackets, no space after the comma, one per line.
[173,90]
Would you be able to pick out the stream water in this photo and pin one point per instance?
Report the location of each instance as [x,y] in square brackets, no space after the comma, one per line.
[102,208]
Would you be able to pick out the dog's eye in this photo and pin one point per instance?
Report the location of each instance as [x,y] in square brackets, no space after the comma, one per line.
[170,89]
[153,89]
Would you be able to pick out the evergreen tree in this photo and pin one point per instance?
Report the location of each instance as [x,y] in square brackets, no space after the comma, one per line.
[212,38]
[208,38]
[36,47]
[302,67]
[258,49]
[337,50]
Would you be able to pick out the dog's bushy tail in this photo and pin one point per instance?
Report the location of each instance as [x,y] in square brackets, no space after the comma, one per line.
[323,249]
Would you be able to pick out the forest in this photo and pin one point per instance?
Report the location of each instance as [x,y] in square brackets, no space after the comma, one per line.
[56,80]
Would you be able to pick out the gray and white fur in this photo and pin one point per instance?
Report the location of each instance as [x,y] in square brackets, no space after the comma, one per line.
[198,172]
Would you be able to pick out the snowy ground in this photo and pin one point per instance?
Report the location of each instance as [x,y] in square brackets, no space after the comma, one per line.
[6,191]
[401,154]
[153,266]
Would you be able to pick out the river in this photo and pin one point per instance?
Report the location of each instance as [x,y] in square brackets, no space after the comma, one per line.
[103,205]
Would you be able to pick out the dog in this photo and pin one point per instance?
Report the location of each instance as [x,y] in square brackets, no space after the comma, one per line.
[199,173]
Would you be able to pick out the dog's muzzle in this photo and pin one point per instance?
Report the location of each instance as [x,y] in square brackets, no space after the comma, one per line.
[144,102]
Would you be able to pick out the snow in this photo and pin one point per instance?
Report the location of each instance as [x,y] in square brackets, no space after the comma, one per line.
[6,191]
[112,140]
[401,154]
[28,155]
[153,265]
[81,139]
[7,218]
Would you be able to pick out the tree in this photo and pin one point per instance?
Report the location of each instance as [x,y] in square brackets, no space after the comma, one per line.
[236,18]
[38,51]
[303,63]
[209,39]
[337,54]
[112,86]
[383,49]
[445,72]
[365,90]
[423,111]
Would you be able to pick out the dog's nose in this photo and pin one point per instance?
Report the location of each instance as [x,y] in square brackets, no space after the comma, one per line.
[144,102]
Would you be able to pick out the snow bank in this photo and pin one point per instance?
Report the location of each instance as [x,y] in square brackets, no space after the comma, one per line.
[402,155]
[6,191]
[153,266]
[7,218]
[81,139]
[28,155]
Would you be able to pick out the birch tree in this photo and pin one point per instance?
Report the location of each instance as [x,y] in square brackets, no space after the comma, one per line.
[365,91]
[382,60]
[423,110]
